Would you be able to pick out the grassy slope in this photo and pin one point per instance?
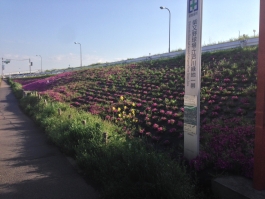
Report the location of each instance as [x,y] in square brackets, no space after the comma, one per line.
[228,90]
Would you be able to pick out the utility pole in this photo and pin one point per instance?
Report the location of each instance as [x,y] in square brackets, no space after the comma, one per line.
[2,66]
[259,147]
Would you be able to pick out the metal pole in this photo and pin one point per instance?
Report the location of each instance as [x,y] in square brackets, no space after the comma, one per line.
[169,25]
[80,55]
[29,67]
[40,62]
[259,147]
[169,28]
[2,67]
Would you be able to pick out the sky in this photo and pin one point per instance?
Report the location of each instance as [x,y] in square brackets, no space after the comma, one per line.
[109,30]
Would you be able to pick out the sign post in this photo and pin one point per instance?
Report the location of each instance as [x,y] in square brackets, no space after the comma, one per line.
[259,148]
[192,79]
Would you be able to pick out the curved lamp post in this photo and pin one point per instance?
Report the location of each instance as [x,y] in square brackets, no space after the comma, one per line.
[161,7]
[40,62]
[80,54]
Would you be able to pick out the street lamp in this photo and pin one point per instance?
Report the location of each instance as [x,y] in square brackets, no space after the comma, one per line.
[161,7]
[40,63]
[254,32]
[80,54]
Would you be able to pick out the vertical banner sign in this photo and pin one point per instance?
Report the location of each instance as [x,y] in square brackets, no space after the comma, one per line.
[192,79]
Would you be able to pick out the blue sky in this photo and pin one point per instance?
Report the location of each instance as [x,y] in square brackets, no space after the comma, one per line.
[109,30]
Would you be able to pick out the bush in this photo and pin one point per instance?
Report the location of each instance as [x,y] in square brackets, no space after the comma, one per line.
[17,88]
[130,170]
[228,145]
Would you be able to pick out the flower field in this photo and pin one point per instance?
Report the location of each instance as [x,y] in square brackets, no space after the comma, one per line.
[146,100]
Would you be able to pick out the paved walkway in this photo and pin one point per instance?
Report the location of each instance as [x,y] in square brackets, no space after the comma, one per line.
[30,167]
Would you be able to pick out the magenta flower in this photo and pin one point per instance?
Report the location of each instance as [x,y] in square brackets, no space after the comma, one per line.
[211,101]
[226,80]
[166,143]
[180,123]
[214,113]
[234,98]
[107,117]
[172,130]
[203,112]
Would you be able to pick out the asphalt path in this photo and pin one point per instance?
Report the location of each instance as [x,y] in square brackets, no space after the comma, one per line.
[31,167]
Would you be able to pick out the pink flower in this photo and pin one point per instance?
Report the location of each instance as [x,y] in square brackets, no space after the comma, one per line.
[141,113]
[175,115]
[148,133]
[160,129]
[155,126]
[148,108]
[169,113]
[141,131]
[171,121]
[154,109]
[163,118]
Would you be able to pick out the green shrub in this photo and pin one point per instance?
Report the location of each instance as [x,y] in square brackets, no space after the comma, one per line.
[130,170]
[17,88]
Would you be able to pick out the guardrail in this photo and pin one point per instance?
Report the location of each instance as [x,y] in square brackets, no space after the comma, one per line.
[215,47]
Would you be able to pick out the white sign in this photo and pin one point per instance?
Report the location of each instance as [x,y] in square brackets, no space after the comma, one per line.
[192,79]
[190,100]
